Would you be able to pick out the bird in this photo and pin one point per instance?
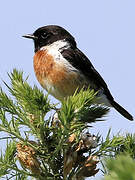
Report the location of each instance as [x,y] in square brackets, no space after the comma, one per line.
[61,68]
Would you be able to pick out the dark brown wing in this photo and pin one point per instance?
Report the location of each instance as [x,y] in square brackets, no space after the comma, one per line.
[81,62]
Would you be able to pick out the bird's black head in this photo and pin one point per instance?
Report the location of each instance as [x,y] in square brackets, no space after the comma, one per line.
[48,34]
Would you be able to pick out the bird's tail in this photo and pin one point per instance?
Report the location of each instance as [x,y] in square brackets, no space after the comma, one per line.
[122,111]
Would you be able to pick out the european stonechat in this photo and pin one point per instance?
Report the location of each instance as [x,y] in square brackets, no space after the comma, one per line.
[61,67]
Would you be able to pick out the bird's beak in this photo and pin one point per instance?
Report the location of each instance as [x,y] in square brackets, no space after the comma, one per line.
[30,36]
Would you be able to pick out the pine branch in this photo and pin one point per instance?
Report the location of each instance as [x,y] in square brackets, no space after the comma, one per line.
[61,146]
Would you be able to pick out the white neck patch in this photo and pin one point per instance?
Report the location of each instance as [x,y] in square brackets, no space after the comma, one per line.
[57,46]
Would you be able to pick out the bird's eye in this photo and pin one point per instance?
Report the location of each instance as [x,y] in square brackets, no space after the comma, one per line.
[44,35]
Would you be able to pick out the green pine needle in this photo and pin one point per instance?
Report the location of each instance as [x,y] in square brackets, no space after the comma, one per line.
[121,168]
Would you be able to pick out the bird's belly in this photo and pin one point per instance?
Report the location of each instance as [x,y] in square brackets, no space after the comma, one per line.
[59,78]
[63,86]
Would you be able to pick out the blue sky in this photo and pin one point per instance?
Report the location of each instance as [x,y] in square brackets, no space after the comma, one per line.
[104,31]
